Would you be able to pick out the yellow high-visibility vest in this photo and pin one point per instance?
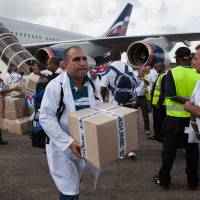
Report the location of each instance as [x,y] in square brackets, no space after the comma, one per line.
[185,79]
[157,90]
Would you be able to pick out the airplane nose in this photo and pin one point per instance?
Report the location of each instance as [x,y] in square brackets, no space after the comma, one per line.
[12,53]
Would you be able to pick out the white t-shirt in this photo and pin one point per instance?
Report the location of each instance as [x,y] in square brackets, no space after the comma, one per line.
[12,78]
[195,99]
[109,78]
[151,77]
[140,90]
[97,83]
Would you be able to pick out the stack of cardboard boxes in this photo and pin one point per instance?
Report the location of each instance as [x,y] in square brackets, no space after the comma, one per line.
[31,84]
[1,111]
[16,119]
[14,116]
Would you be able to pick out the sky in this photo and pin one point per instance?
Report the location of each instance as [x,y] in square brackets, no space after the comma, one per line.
[93,17]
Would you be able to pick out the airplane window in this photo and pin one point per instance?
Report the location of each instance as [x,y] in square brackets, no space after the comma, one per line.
[36,37]
[32,36]
[24,34]
[50,39]
[29,35]
[40,37]
[46,38]
[16,33]
[20,34]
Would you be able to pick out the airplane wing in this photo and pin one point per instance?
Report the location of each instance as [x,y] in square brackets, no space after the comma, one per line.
[120,42]
[125,41]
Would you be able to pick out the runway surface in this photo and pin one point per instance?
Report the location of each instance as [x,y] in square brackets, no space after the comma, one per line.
[24,175]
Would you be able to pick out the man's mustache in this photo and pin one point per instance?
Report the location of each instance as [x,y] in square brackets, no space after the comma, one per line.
[83,69]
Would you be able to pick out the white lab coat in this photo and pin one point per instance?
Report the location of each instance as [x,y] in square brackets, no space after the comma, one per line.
[65,168]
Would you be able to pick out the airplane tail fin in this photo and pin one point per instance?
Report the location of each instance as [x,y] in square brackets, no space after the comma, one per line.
[120,25]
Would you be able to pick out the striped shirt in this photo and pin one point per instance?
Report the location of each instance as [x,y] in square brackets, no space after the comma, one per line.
[81,98]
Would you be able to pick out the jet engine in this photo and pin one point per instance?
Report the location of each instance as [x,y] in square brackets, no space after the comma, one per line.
[146,53]
[45,53]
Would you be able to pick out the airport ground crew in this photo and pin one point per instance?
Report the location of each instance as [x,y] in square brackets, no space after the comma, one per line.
[70,91]
[180,82]
[148,95]
[158,102]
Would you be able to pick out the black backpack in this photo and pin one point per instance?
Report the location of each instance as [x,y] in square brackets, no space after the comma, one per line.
[124,86]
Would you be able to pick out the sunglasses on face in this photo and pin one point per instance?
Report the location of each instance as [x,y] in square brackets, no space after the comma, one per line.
[78,59]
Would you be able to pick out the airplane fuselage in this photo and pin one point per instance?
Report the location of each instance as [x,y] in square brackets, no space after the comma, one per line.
[28,33]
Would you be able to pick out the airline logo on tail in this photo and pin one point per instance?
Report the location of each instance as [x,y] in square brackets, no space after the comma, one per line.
[120,26]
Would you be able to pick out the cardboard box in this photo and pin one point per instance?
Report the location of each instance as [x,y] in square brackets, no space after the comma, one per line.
[31,84]
[13,104]
[1,103]
[1,120]
[15,108]
[17,114]
[20,126]
[5,124]
[104,132]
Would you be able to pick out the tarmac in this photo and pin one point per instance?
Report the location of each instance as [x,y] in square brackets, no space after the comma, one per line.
[24,175]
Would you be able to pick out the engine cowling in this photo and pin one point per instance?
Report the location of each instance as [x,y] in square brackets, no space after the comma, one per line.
[143,53]
[45,53]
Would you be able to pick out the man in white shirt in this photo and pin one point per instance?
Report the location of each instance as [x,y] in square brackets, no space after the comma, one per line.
[108,81]
[96,78]
[141,98]
[68,92]
[193,106]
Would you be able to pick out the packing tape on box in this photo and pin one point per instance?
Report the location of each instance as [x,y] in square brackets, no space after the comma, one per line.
[120,128]
[82,132]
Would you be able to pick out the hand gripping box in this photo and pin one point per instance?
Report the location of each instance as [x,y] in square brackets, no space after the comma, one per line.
[106,133]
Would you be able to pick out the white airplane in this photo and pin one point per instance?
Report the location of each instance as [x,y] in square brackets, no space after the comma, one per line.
[44,42]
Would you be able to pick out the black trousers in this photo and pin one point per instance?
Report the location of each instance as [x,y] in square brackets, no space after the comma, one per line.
[39,139]
[142,103]
[172,141]
[158,118]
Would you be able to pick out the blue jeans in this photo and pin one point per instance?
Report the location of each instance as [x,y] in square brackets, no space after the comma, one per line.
[68,197]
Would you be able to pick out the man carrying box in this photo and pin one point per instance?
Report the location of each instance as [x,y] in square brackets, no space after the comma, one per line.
[3,92]
[77,92]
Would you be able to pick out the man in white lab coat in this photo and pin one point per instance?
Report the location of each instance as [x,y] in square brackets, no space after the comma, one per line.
[63,152]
